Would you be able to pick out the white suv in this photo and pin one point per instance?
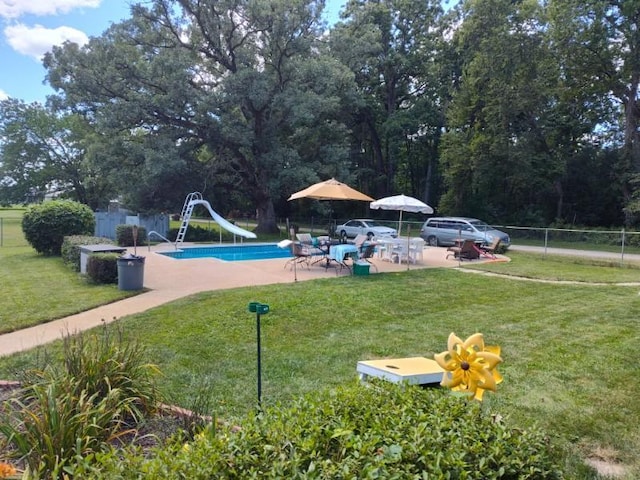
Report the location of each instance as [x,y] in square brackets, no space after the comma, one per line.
[446,230]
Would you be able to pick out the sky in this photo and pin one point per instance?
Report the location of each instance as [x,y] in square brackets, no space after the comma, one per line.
[30,28]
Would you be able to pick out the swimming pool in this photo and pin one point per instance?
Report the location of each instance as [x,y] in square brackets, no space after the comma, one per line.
[231,253]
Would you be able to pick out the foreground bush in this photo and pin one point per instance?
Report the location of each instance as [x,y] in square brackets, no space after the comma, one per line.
[103,267]
[45,225]
[380,431]
[63,414]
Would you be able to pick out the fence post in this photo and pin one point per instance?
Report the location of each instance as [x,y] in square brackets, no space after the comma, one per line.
[1,234]
[622,248]
[546,240]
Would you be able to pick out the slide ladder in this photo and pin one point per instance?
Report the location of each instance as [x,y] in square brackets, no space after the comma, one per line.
[187,210]
[194,199]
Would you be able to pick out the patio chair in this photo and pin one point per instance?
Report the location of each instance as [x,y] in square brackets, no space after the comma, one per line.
[302,255]
[365,252]
[317,253]
[305,238]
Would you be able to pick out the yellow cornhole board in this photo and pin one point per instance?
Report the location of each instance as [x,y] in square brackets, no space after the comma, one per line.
[413,370]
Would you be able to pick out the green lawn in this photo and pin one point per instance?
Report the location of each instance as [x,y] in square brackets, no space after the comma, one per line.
[11,228]
[36,289]
[568,349]
[563,268]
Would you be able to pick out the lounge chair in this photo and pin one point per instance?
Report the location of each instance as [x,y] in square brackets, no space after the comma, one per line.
[467,251]
[359,240]
[490,250]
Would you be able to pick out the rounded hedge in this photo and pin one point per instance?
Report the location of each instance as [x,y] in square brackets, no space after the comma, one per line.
[45,225]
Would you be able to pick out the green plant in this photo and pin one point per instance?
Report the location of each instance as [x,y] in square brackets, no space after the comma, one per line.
[49,425]
[379,430]
[125,235]
[196,233]
[71,248]
[103,267]
[103,361]
[102,388]
[45,225]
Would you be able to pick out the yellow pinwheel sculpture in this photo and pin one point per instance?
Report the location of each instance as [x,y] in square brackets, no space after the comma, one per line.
[470,365]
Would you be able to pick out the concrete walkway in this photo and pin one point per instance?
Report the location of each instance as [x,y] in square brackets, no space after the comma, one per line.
[167,279]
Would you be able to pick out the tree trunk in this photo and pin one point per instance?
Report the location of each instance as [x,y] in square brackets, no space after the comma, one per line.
[557,185]
[266,217]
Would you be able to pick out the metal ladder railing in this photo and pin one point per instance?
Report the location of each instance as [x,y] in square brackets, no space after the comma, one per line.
[157,234]
[187,210]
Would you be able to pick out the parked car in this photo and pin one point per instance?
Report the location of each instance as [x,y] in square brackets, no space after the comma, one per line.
[445,230]
[364,226]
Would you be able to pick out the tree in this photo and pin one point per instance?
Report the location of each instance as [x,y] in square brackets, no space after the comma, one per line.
[390,46]
[497,159]
[45,152]
[234,90]
[598,45]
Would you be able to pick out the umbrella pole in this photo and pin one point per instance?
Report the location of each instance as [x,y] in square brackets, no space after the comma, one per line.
[292,234]
[408,246]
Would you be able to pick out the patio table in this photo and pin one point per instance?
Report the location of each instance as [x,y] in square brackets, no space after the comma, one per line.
[340,254]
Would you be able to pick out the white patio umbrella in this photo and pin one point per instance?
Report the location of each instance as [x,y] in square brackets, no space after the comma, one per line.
[403,203]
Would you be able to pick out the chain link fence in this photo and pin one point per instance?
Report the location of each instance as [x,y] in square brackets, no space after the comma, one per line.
[620,242]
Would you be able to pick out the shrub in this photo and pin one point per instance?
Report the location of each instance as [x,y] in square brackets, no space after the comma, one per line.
[45,225]
[66,413]
[124,235]
[196,233]
[103,267]
[70,249]
[382,430]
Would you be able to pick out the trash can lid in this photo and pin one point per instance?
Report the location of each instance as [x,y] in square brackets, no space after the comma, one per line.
[129,256]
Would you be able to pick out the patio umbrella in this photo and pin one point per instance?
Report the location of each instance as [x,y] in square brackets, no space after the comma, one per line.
[331,190]
[402,203]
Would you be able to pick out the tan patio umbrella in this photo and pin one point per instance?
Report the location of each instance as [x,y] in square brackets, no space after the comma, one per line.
[331,190]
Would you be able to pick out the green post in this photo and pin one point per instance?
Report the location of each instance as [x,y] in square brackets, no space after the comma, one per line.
[259,309]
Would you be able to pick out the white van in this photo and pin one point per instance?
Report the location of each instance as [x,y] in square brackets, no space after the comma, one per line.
[446,230]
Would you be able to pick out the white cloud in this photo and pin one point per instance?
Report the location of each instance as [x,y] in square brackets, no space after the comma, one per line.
[17,8]
[36,41]
[3,95]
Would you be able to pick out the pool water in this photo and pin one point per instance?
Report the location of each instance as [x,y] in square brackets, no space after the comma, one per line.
[231,253]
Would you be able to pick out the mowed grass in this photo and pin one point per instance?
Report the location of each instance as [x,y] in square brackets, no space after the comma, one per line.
[35,289]
[568,350]
[11,227]
[563,268]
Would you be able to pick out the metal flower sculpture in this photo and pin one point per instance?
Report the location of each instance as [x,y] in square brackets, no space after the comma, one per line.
[470,365]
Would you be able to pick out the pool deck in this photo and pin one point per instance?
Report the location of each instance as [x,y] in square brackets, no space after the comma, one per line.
[167,279]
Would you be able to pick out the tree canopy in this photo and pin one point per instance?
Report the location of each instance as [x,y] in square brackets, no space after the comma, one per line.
[514,111]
